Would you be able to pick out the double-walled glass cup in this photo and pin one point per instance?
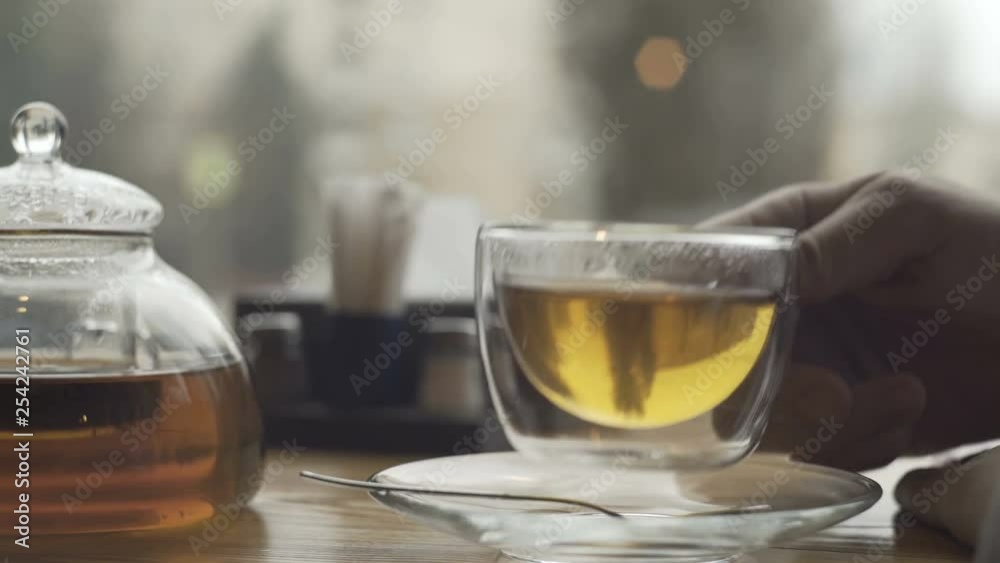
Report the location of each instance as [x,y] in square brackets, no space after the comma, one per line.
[652,345]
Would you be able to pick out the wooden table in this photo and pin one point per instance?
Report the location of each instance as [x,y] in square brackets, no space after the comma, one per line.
[296,521]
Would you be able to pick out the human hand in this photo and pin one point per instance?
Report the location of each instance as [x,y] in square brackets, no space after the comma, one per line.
[900,308]
[955,497]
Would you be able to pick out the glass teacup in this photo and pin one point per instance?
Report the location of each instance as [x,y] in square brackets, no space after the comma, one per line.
[655,345]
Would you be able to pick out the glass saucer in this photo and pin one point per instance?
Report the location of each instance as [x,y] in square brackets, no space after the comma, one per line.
[669,516]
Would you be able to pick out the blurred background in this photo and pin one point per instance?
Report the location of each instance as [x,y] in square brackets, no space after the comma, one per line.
[592,109]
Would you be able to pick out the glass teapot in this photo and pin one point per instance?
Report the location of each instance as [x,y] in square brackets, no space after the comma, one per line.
[128,401]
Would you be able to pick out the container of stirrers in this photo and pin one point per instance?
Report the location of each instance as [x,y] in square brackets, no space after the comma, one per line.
[372,356]
[371,361]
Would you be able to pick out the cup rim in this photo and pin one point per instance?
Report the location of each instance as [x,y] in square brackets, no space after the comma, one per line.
[583,231]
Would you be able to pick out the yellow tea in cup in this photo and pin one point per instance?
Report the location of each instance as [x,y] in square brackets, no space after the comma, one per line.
[651,357]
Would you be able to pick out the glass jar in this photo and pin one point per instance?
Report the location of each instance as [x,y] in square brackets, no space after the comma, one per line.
[128,401]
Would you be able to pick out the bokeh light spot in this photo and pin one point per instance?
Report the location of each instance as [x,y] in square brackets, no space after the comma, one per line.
[209,181]
[660,63]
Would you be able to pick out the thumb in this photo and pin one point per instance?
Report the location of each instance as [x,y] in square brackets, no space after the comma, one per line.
[868,240]
[852,234]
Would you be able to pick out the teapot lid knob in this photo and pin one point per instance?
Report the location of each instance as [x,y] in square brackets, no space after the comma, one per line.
[37,130]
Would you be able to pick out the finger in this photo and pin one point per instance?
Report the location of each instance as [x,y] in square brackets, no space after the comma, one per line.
[885,410]
[837,255]
[874,451]
[954,497]
[909,495]
[809,394]
[798,206]
[832,334]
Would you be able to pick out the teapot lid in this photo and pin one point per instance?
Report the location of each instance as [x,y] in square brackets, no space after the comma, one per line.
[42,192]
